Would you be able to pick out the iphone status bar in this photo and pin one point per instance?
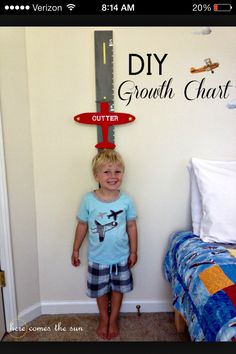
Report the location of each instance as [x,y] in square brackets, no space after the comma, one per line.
[119,13]
[71,8]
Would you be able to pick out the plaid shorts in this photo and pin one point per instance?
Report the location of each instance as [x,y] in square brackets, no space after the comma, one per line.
[105,278]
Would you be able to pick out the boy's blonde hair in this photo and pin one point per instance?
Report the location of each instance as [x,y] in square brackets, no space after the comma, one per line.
[106,156]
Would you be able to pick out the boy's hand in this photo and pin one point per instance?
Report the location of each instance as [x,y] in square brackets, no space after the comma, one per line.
[132,259]
[75,261]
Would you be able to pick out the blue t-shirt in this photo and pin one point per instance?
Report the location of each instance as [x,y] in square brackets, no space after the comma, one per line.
[108,238]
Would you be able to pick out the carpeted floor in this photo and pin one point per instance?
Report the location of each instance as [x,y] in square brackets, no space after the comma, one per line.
[82,327]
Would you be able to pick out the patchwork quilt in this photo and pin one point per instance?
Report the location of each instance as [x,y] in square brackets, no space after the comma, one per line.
[203,282]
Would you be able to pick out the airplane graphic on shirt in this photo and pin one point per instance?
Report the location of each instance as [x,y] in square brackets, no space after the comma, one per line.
[114,214]
[102,229]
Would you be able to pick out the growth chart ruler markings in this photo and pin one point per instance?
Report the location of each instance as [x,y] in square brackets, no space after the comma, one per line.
[105,118]
[103,41]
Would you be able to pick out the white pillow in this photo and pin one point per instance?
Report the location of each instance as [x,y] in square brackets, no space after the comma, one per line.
[195,200]
[216,181]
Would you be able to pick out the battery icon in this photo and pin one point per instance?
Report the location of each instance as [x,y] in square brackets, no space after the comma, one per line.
[222,7]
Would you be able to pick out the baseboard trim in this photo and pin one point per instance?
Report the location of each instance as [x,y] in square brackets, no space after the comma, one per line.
[60,307]
[91,306]
[66,307]
[147,306]
[28,314]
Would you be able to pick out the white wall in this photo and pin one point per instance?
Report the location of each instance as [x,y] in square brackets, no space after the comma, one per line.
[156,147]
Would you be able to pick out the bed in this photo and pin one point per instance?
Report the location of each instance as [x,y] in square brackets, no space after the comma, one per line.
[200,264]
[203,282]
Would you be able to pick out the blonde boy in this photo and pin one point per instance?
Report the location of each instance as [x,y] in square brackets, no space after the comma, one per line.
[109,217]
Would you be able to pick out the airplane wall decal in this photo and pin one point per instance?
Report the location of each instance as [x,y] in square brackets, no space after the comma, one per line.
[208,67]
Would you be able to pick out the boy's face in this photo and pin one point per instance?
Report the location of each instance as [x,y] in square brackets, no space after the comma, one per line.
[110,176]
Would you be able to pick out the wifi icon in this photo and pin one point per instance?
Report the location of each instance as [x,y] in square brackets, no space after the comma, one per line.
[70,6]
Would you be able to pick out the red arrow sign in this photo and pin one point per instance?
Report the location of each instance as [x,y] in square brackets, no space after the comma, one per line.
[105,119]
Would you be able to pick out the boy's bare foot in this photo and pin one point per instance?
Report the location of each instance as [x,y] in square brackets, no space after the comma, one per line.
[102,330]
[113,330]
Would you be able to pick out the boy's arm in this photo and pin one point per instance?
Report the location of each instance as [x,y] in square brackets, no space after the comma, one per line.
[80,233]
[133,242]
